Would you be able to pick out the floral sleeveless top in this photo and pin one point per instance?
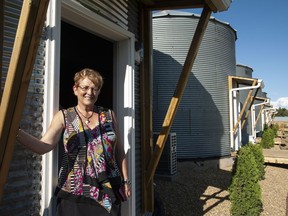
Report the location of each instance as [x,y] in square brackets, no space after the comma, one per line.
[88,159]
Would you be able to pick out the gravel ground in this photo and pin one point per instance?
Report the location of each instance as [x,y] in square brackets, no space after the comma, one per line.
[200,188]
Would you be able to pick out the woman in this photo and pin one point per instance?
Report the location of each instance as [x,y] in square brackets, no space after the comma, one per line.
[92,152]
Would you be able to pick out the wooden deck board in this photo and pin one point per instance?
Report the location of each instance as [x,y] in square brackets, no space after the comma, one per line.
[275,155]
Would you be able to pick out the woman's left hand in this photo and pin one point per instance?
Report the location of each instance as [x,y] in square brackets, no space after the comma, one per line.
[128,190]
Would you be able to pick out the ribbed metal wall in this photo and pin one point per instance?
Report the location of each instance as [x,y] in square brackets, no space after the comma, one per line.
[202,120]
[22,192]
[245,71]
[114,11]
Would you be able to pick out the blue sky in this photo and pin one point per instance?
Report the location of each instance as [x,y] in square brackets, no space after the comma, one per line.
[262,44]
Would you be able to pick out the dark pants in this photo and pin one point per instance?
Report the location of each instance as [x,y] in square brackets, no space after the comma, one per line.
[69,208]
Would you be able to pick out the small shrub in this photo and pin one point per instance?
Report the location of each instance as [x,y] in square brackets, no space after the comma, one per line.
[268,138]
[257,151]
[245,190]
[275,129]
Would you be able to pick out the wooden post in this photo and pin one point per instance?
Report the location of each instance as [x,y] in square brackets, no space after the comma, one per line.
[25,48]
[181,85]
[146,112]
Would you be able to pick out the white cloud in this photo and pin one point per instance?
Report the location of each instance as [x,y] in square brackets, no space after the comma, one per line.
[281,102]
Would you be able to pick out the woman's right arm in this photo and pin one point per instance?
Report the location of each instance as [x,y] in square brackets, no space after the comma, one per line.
[49,139]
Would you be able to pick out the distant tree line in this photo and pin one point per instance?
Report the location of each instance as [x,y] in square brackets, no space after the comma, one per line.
[282,112]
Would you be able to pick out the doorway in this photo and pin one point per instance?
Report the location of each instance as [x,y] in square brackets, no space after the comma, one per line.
[103,46]
[81,49]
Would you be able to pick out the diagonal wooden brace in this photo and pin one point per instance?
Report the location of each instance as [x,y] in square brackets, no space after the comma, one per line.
[25,48]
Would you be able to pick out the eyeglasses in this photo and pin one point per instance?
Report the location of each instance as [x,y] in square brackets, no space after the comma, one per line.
[86,88]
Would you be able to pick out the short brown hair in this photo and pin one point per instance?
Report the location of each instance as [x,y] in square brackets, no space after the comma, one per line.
[93,75]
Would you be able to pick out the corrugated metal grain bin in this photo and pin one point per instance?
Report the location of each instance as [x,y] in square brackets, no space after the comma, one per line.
[244,71]
[202,119]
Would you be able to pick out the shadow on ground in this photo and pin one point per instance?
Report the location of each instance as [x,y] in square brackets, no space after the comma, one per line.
[197,188]
[284,166]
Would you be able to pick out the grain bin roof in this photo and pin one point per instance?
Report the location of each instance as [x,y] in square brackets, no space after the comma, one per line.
[214,5]
[245,66]
[179,13]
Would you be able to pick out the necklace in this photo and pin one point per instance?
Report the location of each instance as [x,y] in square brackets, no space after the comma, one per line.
[87,118]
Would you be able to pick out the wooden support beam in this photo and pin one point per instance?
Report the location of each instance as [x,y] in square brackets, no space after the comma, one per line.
[248,99]
[181,85]
[25,48]
[234,80]
[211,5]
[146,107]
[244,107]
[258,116]
[252,98]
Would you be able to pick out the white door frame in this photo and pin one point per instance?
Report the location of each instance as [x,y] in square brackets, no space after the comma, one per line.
[123,83]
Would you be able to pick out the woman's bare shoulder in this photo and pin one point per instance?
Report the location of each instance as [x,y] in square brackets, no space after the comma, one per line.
[58,119]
